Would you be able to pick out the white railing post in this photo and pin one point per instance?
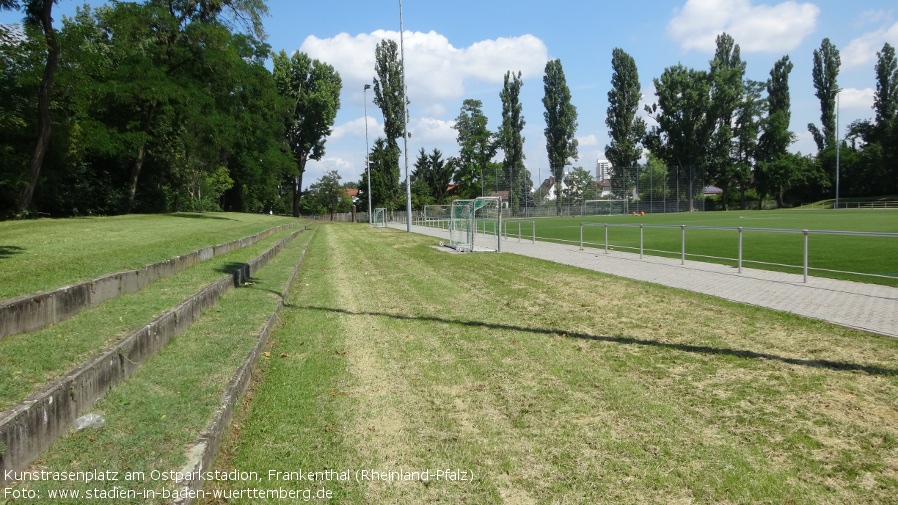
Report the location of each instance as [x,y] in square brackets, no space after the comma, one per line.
[683,244]
[805,255]
[740,249]
[606,238]
[641,228]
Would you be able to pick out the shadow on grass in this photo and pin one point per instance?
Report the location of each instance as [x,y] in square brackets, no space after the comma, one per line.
[697,349]
[10,250]
[200,216]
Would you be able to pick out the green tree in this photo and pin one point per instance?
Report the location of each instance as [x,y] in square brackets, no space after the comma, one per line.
[825,73]
[885,105]
[385,188]
[432,176]
[728,95]
[579,186]
[625,128]
[39,13]
[561,124]
[328,195]
[772,176]
[314,88]
[685,126]
[477,146]
[388,96]
[510,139]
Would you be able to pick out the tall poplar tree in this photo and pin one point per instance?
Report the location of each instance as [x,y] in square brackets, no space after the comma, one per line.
[625,128]
[388,96]
[561,124]
[776,171]
[825,73]
[728,100]
[510,139]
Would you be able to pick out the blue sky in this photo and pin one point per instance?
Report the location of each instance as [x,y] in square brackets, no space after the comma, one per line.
[462,49]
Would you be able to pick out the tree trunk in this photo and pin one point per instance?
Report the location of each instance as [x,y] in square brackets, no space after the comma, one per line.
[138,163]
[43,105]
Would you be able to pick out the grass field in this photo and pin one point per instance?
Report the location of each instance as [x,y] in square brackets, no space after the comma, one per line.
[44,254]
[551,384]
[828,254]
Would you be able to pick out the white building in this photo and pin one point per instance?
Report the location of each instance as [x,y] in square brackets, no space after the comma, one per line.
[603,170]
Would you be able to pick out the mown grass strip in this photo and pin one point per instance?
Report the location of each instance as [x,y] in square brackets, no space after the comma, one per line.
[552,384]
[29,361]
[45,254]
[158,412]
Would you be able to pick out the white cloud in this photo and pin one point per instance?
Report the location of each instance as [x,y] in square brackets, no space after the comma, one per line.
[356,128]
[588,141]
[862,50]
[756,28]
[436,70]
[856,99]
[433,131]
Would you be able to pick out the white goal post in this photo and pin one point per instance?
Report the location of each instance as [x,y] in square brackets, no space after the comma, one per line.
[475,219]
[380,218]
[605,207]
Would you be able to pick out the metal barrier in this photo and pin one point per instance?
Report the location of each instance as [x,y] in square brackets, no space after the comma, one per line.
[740,230]
[519,222]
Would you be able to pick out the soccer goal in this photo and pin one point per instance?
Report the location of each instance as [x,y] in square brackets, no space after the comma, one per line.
[380,218]
[436,212]
[605,207]
[475,220]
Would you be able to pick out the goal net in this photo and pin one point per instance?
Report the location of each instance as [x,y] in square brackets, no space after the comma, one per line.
[380,218]
[478,219]
[605,207]
[436,212]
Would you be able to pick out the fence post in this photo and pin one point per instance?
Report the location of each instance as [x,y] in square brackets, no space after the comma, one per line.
[581,236]
[533,224]
[740,249]
[805,255]
[641,228]
[606,238]
[683,244]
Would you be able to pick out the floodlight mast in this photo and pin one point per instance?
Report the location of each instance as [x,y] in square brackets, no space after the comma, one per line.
[408,183]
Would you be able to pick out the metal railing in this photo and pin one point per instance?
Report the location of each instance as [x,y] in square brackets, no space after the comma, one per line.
[520,223]
[740,256]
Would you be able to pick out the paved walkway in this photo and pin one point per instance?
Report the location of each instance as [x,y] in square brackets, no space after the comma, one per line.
[869,307]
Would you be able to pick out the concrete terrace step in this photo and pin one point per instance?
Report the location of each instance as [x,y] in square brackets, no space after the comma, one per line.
[32,312]
[29,427]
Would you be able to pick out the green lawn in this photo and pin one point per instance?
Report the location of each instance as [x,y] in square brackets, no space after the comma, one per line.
[552,384]
[45,254]
[877,256]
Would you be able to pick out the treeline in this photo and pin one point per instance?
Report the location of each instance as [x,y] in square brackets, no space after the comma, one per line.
[710,126]
[159,106]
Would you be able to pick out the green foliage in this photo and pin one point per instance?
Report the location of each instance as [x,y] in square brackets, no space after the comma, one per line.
[477,146]
[579,186]
[686,125]
[826,72]
[388,94]
[510,140]
[151,100]
[313,90]
[561,123]
[625,129]
[431,178]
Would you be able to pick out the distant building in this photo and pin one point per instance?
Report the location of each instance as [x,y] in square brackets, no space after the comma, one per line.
[603,170]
